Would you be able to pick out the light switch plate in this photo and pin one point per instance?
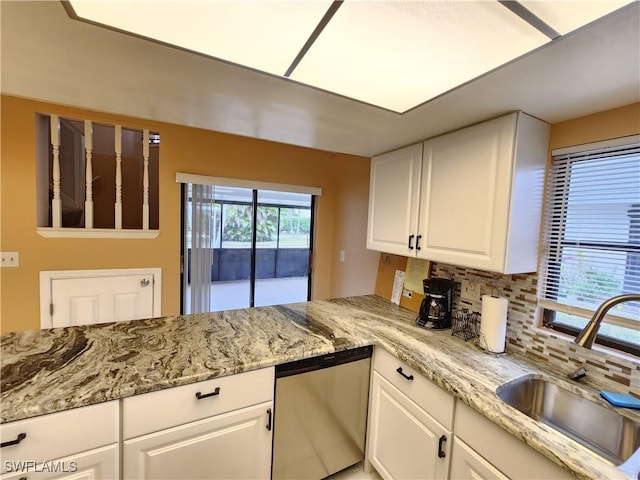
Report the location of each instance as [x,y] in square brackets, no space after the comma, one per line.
[10,259]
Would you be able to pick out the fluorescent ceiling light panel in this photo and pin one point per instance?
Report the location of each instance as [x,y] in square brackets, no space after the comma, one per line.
[265,35]
[395,54]
[398,54]
[566,16]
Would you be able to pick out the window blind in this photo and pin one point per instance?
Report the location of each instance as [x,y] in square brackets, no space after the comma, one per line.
[591,239]
[201,234]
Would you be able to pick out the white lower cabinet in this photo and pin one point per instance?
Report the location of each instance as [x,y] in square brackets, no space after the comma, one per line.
[76,444]
[217,429]
[484,450]
[231,445]
[98,464]
[405,440]
[466,464]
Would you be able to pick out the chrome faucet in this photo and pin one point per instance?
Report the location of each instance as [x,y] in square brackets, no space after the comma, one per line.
[588,334]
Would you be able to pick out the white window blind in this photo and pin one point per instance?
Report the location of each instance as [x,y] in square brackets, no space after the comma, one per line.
[592,233]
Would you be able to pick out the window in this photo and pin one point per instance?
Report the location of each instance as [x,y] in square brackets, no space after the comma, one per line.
[592,240]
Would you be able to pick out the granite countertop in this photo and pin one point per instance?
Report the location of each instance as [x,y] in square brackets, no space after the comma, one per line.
[46,371]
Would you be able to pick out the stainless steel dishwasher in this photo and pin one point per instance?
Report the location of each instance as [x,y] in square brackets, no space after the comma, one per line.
[320,415]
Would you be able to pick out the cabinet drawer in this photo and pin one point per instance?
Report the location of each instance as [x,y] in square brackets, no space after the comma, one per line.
[61,434]
[167,408]
[429,396]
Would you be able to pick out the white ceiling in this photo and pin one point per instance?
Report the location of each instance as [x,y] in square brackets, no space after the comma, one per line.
[46,55]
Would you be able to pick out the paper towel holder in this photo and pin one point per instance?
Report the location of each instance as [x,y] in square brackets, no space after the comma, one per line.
[493,324]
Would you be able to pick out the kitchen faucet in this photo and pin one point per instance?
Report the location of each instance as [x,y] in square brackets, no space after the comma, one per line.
[588,334]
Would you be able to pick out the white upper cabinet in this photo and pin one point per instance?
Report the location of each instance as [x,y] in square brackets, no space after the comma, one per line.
[394,196]
[480,197]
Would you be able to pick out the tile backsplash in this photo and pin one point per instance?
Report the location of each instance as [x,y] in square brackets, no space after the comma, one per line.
[604,370]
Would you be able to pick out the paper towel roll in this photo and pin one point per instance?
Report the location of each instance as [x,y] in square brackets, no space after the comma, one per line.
[493,324]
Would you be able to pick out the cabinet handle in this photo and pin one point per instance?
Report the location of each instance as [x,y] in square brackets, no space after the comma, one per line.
[441,453]
[411,242]
[269,419]
[200,396]
[418,242]
[408,377]
[21,436]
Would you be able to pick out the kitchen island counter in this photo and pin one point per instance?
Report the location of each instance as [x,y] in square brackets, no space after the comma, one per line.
[46,371]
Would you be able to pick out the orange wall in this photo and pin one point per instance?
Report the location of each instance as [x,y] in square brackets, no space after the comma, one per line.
[618,122]
[183,149]
[350,232]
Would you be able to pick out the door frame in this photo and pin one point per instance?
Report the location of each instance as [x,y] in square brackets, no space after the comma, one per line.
[47,277]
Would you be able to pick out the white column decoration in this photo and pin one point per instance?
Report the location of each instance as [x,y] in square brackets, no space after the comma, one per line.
[88,203]
[118,205]
[145,180]
[56,202]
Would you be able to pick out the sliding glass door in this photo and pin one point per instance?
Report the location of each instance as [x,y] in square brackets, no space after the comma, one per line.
[283,247]
[244,247]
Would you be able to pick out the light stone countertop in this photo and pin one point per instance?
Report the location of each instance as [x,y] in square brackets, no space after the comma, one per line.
[46,371]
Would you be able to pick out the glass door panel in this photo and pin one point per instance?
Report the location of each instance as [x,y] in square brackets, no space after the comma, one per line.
[231,278]
[283,243]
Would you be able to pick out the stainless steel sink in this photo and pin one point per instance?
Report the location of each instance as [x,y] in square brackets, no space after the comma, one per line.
[603,431]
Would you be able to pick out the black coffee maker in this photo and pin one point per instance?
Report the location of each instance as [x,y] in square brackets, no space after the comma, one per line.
[435,310]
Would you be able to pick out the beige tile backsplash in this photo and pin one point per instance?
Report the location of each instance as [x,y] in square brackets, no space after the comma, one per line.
[604,370]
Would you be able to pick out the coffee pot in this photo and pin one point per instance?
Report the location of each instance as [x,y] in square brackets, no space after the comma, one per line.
[435,310]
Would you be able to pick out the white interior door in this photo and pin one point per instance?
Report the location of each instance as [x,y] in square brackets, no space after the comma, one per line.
[83,299]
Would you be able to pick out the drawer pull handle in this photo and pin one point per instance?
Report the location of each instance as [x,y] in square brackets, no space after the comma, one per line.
[269,419]
[411,242]
[21,436]
[200,396]
[441,441]
[408,377]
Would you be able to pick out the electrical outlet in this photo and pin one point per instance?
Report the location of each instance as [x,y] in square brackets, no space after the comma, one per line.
[342,255]
[470,290]
[10,259]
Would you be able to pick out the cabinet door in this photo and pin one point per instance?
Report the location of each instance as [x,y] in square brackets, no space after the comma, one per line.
[466,180]
[404,441]
[394,194]
[232,445]
[100,463]
[512,456]
[466,464]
